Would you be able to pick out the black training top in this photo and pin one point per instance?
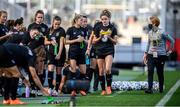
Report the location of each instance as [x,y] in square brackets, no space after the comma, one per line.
[17,37]
[88,31]
[19,55]
[15,31]
[67,73]
[32,43]
[104,46]
[3,31]
[55,35]
[44,27]
[74,33]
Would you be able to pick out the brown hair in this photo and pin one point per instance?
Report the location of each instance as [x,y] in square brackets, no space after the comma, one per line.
[55,18]
[18,21]
[155,20]
[10,24]
[76,17]
[2,11]
[38,12]
[105,13]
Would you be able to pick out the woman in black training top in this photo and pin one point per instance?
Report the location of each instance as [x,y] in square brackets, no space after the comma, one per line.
[56,51]
[75,36]
[105,39]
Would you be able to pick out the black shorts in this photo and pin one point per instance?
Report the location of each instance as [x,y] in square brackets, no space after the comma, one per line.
[92,53]
[58,63]
[103,56]
[5,58]
[79,56]
[7,63]
[103,52]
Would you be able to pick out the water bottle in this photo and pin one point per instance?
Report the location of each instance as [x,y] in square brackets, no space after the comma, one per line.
[37,37]
[19,91]
[82,45]
[87,60]
[55,49]
[55,46]
[27,92]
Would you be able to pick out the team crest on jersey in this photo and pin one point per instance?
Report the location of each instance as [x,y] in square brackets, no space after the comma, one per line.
[57,34]
[74,33]
[43,29]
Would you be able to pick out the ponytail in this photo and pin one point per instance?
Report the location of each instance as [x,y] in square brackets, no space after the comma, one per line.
[76,17]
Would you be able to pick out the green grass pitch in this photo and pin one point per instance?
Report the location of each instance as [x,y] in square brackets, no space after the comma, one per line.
[119,98]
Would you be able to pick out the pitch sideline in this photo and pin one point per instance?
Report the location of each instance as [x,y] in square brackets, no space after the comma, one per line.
[166,98]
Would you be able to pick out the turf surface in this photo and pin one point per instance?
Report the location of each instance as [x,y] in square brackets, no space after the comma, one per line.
[119,98]
[132,98]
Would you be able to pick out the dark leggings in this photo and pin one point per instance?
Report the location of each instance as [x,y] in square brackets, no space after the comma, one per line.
[10,88]
[157,63]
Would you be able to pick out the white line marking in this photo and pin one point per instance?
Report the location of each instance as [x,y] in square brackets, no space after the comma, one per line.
[166,98]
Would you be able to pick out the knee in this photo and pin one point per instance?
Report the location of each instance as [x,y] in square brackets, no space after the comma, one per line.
[101,72]
[108,71]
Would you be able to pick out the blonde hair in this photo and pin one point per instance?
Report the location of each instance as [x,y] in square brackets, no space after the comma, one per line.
[76,17]
[155,20]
